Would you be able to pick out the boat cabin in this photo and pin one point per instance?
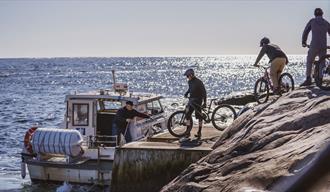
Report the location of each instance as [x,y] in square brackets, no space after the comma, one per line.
[92,114]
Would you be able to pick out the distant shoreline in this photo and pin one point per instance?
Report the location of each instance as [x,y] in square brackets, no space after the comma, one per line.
[171,56]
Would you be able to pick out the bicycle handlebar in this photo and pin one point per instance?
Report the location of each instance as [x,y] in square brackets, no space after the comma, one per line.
[264,67]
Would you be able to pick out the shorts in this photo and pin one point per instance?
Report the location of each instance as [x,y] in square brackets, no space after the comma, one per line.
[194,105]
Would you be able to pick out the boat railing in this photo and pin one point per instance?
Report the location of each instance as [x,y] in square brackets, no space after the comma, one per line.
[101,141]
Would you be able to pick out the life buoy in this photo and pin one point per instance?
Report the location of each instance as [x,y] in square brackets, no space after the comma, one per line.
[27,139]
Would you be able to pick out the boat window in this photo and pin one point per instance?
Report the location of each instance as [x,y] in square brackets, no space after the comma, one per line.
[80,114]
[141,108]
[154,107]
[109,105]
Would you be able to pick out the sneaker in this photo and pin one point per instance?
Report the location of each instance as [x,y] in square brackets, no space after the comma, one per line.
[277,91]
[184,139]
[307,82]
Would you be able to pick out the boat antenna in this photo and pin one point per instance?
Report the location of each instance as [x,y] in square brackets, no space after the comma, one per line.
[113,77]
[120,88]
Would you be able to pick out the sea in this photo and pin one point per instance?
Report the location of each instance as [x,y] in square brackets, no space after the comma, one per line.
[32,92]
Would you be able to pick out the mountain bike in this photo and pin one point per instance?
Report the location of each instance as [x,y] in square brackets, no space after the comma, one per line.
[322,76]
[221,117]
[263,84]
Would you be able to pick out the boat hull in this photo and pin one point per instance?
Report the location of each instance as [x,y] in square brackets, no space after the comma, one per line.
[89,172]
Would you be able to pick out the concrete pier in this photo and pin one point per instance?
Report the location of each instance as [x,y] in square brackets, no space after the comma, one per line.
[148,166]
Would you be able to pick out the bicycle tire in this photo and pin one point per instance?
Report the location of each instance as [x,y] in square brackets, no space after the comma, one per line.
[171,129]
[323,83]
[216,124]
[286,86]
[260,82]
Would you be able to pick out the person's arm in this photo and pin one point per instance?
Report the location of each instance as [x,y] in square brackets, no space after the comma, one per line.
[138,114]
[305,34]
[204,94]
[287,60]
[261,54]
[187,92]
[286,57]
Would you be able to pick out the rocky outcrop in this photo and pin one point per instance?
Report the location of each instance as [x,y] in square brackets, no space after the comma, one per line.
[282,145]
[237,98]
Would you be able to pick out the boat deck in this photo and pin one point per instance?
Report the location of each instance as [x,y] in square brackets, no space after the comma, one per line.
[166,140]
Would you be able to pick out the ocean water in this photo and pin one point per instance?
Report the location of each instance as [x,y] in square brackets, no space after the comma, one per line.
[32,91]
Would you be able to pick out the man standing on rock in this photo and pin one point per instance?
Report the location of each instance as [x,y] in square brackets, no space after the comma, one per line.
[197,100]
[318,47]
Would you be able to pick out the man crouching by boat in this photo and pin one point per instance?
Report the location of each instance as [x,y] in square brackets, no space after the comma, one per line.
[122,119]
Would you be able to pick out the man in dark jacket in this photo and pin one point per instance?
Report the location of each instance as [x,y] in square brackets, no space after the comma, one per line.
[277,58]
[123,117]
[318,46]
[197,99]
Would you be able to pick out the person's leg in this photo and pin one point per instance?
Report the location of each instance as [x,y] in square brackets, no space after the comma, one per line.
[200,127]
[309,64]
[198,114]
[127,134]
[322,53]
[281,66]
[120,131]
[114,132]
[114,128]
[189,110]
[274,68]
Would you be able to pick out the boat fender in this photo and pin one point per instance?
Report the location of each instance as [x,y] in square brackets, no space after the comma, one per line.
[27,139]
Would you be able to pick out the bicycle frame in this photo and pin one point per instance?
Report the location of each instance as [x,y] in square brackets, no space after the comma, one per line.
[179,127]
[205,112]
[318,62]
[266,77]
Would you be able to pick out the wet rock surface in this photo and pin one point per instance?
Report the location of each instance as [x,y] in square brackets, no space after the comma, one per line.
[277,146]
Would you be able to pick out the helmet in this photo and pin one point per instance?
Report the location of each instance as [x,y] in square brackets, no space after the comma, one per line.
[189,72]
[263,41]
[318,12]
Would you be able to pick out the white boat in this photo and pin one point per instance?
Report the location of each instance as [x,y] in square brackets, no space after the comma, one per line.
[83,150]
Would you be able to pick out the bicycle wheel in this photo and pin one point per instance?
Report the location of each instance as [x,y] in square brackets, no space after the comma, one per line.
[324,82]
[223,116]
[176,124]
[261,91]
[286,83]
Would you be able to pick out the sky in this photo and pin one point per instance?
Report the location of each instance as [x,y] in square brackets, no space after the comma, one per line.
[106,28]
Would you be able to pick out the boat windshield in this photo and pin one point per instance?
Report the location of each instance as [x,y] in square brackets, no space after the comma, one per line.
[105,105]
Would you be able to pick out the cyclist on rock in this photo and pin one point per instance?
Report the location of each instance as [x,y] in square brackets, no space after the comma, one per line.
[277,58]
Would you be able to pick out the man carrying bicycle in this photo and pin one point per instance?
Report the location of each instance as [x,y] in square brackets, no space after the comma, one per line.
[277,58]
[318,47]
[197,99]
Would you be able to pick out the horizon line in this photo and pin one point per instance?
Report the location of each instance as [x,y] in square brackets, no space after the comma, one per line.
[145,56]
